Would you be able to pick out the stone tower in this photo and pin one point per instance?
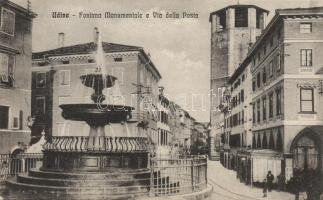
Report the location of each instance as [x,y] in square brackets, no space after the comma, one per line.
[233,30]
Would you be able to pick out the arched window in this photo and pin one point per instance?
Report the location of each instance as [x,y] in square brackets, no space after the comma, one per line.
[279,141]
[258,141]
[271,140]
[254,141]
[264,141]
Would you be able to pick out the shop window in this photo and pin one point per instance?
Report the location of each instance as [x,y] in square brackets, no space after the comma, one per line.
[7,22]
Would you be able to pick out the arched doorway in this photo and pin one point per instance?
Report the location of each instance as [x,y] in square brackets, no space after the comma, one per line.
[306,148]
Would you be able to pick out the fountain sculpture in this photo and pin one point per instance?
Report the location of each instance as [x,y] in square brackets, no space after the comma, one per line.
[105,166]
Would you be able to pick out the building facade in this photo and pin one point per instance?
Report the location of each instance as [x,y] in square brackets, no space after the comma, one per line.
[237,135]
[15,71]
[56,81]
[283,104]
[164,148]
[287,91]
[181,125]
[199,142]
[233,30]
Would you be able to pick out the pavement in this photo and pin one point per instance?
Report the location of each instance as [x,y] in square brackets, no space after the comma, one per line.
[227,187]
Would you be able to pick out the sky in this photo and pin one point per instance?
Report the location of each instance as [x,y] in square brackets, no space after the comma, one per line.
[179,48]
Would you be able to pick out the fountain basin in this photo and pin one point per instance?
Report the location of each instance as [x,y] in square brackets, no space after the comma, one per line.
[100,114]
[98,81]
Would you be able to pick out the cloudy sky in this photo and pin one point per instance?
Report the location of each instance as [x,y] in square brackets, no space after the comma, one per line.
[180,48]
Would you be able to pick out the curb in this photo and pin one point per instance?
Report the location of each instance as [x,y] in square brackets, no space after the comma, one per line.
[200,195]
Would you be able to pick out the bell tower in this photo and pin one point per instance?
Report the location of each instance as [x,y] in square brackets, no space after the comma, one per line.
[233,30]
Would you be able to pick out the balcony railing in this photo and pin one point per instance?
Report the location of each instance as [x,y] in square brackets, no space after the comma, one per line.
[96,144]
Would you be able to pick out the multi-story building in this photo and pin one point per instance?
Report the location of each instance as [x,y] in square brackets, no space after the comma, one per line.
[181,125]
[200,138]
[233,30]
[15,71]
[287,85]
[237,111]
[56,81]
[164,135]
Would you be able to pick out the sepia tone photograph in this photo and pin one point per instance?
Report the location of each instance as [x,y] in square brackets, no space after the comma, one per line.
[153,100]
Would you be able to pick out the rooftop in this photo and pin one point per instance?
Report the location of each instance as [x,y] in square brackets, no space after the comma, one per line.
[19,8]
[237,6]
[90,47]
[85,48]
[278,14]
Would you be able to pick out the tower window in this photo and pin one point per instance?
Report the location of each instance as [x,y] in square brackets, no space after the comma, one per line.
[259,19]
[305,27]
[241,17]
[221,22]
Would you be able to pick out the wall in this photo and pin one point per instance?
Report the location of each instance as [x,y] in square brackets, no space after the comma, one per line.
[18,97]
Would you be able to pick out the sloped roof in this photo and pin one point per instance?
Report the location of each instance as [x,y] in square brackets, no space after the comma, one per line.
[90,47]
[85,49]
[237,6]
[17,7]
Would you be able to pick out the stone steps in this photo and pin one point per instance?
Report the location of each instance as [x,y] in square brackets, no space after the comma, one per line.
[98,190]
[80,182]
[137,174]
[124,184]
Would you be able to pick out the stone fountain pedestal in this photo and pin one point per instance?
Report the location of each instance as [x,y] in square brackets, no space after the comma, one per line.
[117,171]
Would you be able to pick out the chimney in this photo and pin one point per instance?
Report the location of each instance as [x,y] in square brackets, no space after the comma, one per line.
[96,35]
[161,90]
[61,38]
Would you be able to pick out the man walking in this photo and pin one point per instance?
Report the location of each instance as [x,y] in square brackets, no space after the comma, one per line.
[270,179]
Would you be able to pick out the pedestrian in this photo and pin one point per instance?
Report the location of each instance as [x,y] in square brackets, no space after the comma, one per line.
[264,191]
[270,179]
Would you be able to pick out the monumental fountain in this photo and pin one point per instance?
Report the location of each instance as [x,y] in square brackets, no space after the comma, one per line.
[97,165]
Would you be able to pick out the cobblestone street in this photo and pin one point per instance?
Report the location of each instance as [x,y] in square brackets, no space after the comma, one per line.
[227,187]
